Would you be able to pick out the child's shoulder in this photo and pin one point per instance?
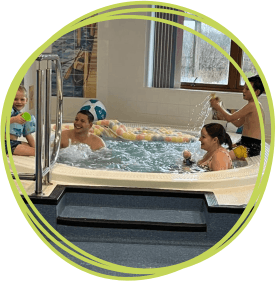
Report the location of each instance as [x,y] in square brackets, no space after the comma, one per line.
[252,106]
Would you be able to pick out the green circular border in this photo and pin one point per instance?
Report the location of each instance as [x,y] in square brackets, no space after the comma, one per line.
[36,224]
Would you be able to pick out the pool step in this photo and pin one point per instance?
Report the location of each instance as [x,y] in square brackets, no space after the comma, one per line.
[133,218]
[103,214]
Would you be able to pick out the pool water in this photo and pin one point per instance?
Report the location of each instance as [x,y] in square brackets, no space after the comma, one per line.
[140,156]
[133,156]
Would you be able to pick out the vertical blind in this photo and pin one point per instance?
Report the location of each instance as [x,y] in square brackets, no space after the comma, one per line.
[164,50]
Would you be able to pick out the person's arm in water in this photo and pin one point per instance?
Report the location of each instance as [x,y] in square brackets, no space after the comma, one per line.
[30,140]
[64,139]
[238,117]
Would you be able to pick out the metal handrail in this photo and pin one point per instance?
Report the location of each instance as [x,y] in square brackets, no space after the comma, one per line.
[57,139]
[49,162]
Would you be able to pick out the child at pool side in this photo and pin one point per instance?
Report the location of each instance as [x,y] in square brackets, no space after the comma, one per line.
[80,133]
[247,117]
[217,158]
[19,127]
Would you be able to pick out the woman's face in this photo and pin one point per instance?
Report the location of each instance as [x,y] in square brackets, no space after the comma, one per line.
[207,142]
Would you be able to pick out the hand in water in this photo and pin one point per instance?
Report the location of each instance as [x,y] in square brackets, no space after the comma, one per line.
[187,158]
[187,154]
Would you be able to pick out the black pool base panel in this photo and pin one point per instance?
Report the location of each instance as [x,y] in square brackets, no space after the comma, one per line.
[135,208]
[136,227]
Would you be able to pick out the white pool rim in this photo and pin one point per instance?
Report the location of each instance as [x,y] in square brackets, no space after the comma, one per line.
[244,176]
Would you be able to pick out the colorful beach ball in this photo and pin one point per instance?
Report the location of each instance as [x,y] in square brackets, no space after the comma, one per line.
[96,108]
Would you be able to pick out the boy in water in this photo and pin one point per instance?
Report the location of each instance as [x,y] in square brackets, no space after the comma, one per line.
[247,116]
[19,127]
[80,133]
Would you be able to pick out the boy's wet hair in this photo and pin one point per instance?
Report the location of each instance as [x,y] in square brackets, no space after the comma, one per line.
[257,83]
[88,114]
[22,89]
[217,130]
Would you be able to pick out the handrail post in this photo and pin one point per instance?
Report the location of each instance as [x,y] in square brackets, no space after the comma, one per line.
[44,122]
[47,177]
[59,112]
[39,132]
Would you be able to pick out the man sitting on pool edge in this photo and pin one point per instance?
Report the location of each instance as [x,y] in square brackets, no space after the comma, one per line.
[80,133]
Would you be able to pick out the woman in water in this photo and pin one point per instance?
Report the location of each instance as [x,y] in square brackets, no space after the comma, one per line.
[217,158]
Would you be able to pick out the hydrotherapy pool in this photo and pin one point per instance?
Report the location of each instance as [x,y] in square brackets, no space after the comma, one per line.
[135,156]
[233,179]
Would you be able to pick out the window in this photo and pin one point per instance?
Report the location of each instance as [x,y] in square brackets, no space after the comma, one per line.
[201,62]
[202,65]
[247,67]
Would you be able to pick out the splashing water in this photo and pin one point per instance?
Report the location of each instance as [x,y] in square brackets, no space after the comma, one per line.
[201,117]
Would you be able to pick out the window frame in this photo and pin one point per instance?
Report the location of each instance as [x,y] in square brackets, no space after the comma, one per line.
[233,77]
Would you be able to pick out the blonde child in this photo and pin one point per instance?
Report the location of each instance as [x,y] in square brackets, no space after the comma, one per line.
[19,126]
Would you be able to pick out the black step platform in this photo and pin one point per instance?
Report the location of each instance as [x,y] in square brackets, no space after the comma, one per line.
[133,218]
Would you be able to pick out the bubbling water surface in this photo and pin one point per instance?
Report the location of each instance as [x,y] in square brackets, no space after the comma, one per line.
[141,156]
[133,156]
